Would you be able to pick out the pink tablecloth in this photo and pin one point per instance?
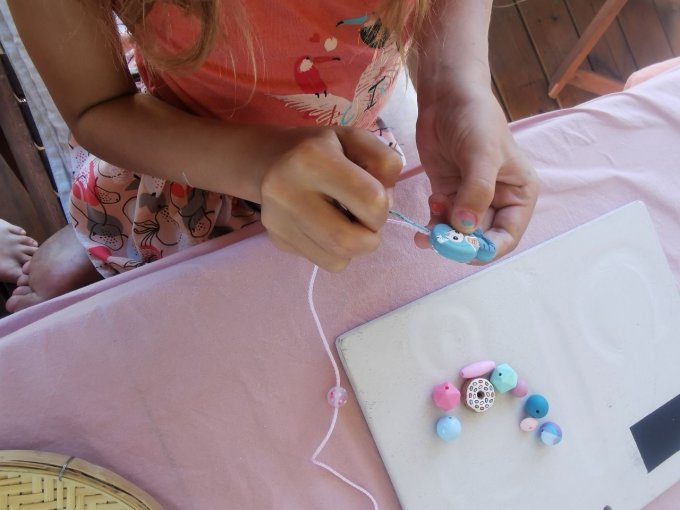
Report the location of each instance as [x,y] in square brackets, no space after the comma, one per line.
[202,378]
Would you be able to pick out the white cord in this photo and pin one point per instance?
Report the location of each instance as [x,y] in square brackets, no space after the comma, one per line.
[310,299]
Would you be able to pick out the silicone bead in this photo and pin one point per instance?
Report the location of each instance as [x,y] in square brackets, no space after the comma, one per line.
[452,244]
[528,424]
[536,406]
[479,394]
[487,249]
[477,369]
[337,396]
[503,378]
[446,396]
[521,390]
[550,433]
[448,428]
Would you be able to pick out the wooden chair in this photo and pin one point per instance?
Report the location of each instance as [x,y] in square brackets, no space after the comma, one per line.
[569,72]
[23,153]
[27,193]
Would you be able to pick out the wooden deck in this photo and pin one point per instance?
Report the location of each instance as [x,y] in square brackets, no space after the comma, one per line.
[529,40]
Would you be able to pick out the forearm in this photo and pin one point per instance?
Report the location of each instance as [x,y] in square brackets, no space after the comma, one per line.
[453,49]
[77,54]
[143,134]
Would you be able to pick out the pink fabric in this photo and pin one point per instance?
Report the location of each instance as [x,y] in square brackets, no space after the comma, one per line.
[211,401]
[648,72]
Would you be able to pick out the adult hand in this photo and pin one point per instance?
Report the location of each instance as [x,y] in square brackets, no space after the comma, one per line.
[479,176]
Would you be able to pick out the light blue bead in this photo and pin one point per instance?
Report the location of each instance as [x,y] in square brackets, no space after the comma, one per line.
[536,406]
[487,249]
[550,433]
[452,244]
[503,378]
[448,428]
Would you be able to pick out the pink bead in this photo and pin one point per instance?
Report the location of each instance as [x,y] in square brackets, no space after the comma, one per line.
[446,396]
[521,389]
[337,396]
[528,424]
[477,369]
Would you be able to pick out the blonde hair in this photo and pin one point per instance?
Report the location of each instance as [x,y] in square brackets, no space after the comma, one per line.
[400,20]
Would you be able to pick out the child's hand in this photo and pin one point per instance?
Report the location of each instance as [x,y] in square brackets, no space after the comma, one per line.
[320,169]
[478,175]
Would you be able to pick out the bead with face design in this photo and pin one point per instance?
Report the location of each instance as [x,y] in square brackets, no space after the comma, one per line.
[452,244]
[461,247]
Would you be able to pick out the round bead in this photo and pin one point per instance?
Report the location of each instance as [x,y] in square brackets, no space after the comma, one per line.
[448,428]
[503,378]
[446,396]
[477,369]
[337,396]
[479,394]
[550,433]
[528,424]
[536,406]
[521,390]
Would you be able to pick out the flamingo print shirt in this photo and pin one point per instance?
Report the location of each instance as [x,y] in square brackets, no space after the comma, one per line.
[315,63]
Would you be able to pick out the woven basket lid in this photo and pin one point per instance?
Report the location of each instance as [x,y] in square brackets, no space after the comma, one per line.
[51,481]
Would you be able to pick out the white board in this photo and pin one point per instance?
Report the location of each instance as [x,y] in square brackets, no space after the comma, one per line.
[590,319]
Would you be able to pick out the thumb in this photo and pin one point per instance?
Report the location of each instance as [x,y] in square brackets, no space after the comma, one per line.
[474,197]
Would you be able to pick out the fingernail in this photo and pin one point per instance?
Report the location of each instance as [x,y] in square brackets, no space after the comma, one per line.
[437,203]
[436,208]
[466,218]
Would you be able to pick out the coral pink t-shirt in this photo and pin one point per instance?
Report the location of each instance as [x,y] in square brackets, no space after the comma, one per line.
[316,63]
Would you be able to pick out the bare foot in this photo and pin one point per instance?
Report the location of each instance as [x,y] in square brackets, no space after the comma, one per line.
[59,266]
[15,250]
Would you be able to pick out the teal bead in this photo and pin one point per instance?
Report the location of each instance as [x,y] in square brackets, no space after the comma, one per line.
[448,428]
[536,406]
[550,433]
[503,378]
[487,249]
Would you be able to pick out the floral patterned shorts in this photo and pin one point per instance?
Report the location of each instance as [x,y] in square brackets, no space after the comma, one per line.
[125,219]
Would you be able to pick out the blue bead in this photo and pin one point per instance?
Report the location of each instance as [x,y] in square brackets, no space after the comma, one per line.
[487,249]
[503,378]
[452,244]
[536,406]
[448,428]
[550,433]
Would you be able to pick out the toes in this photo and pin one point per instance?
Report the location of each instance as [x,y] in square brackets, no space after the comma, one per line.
[28,251]
[13,228]
[28,241]
[19,301]
[23,280]
[22,290]
[26,268]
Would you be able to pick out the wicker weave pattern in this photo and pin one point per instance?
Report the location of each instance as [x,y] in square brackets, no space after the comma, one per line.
[22,491]
[34,480]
